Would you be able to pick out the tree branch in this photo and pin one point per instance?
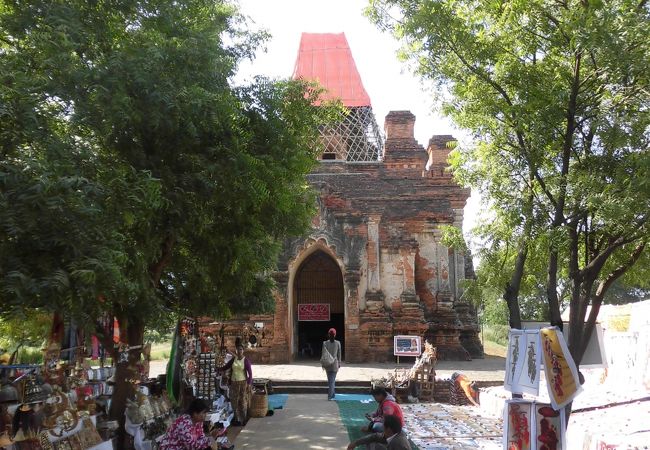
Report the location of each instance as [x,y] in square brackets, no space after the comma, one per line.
[156,269]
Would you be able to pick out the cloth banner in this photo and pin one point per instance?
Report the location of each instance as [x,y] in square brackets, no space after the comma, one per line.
[518,425]
[560,369]
[528,381]
[530,425]
[523,362]
[514,360]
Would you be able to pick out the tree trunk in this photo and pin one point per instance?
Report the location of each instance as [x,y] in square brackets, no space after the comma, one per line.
[124,371]
[511,293]
[135,326]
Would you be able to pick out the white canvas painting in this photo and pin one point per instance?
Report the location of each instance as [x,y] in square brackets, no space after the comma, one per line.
[528,381]
[515,360]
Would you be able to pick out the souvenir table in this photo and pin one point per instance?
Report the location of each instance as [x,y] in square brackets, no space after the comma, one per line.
[445,427]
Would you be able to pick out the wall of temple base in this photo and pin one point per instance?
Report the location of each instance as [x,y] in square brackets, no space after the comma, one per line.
[381,222]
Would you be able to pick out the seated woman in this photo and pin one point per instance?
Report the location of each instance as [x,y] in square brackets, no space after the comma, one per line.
[387,407]
[186,433]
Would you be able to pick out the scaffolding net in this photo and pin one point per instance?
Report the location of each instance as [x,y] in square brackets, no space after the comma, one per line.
[355,137]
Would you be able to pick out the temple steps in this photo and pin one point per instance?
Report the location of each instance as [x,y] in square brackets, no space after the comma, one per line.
[319,387]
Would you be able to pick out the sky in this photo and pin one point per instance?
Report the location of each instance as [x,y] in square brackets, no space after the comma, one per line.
[387,80]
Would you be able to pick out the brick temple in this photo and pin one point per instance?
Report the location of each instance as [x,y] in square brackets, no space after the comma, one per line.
[374,255]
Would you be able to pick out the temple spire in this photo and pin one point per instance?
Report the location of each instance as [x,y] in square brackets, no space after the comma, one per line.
[327,59]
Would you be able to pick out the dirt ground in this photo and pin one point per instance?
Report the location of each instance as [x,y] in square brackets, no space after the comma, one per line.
[491,368]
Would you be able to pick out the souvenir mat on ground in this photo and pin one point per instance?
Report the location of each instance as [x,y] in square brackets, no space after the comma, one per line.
[353,417]
[436,426]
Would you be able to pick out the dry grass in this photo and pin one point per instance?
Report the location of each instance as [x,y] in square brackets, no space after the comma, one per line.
[493,349]
[161,351]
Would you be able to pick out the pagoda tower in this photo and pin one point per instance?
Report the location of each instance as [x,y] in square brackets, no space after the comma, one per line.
[327,59]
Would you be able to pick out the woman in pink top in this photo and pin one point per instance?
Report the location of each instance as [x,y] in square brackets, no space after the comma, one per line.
[186,433]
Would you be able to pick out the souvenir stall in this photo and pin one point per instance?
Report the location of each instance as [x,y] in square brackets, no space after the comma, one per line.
[449,423]
[54,406]
[193,372]
[531,424]
[64,403]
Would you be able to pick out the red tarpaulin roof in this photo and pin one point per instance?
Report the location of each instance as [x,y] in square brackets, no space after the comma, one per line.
[327,58]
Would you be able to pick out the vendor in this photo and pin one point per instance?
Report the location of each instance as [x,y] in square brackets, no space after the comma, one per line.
[186,433]
[241,382]
[392,438]
[387,406]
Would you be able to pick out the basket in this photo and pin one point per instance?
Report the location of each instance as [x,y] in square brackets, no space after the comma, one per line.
[259,405]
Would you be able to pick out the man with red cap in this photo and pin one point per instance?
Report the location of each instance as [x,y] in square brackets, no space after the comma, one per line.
[331,361]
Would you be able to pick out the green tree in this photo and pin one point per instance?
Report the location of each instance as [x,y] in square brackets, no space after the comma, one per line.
[210,177]
[556,96]
[27,329]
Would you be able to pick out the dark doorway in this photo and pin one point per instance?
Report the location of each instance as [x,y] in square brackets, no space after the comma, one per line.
[319,281]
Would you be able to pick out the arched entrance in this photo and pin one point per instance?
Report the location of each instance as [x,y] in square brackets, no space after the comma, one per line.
[318,281]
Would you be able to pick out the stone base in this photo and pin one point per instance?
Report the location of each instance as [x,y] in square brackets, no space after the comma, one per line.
[446,352]
[279,355]
[471,342]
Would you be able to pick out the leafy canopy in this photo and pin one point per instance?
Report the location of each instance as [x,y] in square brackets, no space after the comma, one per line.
[133,170]
[555,94]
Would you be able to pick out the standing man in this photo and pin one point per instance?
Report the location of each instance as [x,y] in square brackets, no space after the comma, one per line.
[393,437]
[333,347]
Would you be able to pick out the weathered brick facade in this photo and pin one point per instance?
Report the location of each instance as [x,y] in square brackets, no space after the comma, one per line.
[380,222]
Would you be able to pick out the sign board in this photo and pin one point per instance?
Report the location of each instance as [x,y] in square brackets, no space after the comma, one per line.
[407,345]
[313,312]
[594,357]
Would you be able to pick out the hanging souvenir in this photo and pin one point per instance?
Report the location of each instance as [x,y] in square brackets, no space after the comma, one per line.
[549,427]
[518,424]
[116,330]
[559,368]
[527,379]
[188,327]
[514,360]
[122,353]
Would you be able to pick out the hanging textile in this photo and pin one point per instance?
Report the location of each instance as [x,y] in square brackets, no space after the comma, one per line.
[116,330]
[559,367]
[94,353]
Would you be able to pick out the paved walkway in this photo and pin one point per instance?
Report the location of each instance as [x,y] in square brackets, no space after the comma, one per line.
[491,368]
[307,422]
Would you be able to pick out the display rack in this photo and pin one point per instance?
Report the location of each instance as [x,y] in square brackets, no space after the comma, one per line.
[206,387]
[425,379]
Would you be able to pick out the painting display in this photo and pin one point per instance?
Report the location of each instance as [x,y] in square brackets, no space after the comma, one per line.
[518,425]
[530,425]
[528,381]
[515,360]
[549,427]
[559,367]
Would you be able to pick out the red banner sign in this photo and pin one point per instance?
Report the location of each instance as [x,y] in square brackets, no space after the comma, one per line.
[314,312]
